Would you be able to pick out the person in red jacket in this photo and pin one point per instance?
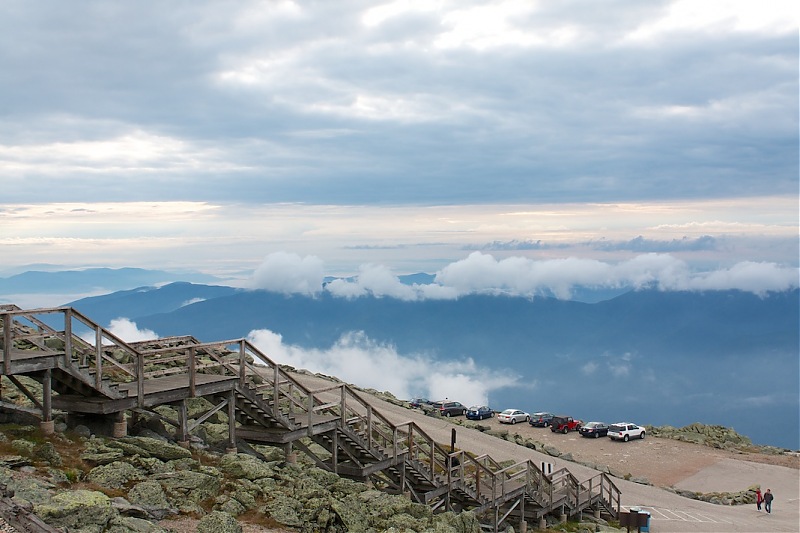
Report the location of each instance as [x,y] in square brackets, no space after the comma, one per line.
[759,498]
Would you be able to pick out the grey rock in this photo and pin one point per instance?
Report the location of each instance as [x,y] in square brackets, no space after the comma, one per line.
[80,510]
[218,522]
[155,448]
[114,475]
[241,465]
[188,487]
[47,453]
[150,496]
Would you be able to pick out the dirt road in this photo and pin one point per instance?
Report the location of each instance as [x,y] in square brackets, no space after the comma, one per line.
[662,462]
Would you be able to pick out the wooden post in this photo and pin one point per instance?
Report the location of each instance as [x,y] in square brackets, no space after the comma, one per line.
[7,343]
[67,336]
[98,358]
[232,422]
[47,425]
[192,373]
[335,458]
[183,424]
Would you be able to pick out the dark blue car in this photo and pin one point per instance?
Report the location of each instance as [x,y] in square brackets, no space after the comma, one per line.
[479,412]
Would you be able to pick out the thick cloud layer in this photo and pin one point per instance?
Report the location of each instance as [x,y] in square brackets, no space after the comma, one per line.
[482,273]
[354,102]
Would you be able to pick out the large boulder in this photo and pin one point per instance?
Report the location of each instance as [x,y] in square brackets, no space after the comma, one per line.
[218,522]
[81,510]
[240,465]
[150,496]
[187,486]
[150,447]
[114,475]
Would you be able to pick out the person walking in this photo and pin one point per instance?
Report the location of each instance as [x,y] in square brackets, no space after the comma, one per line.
[768,501]
[759,498]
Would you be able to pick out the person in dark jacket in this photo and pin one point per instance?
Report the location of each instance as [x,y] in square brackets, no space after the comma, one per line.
[768,501]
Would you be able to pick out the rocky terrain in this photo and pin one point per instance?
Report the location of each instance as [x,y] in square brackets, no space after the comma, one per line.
[145,483]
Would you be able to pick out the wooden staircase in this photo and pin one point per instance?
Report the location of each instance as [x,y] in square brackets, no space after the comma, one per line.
[85,369]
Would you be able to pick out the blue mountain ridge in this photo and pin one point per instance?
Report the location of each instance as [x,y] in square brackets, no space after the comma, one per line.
[721,357]
[91,279]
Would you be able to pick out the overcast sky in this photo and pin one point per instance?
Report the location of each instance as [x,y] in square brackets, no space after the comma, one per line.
[572,139]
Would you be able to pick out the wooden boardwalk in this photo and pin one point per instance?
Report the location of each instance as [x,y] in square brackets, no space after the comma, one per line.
[87,371]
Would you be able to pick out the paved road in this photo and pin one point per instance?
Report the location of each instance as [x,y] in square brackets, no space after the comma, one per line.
[669,512]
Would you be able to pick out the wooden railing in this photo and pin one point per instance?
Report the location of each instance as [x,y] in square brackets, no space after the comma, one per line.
[95,356]
[286,400]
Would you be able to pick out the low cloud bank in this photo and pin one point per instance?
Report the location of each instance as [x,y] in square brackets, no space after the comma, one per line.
[483,273]
[355,358]
[125,329]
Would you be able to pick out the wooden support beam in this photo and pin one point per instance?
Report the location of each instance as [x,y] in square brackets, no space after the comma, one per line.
[232,420]
[24,390]
[47,396]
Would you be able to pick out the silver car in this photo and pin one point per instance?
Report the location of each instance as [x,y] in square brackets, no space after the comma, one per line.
[512,416]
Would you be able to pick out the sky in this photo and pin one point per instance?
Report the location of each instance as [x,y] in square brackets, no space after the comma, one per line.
[508,144]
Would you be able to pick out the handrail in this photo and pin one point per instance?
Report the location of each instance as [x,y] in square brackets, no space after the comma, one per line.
[486,480]
[92,356]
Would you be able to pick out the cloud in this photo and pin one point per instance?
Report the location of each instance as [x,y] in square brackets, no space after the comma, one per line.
[483,273]
[378,281]
[289,273]
[355,358]
[520,276]
[125,329]
[641,244]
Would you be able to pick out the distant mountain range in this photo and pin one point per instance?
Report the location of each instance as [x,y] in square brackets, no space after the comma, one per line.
[91,279]
[723,357]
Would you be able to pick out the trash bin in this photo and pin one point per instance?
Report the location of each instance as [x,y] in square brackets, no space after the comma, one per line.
[646,526]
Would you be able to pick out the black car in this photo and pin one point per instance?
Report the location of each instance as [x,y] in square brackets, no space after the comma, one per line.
[479,412]
[594,430]
[541,420]
[448,408]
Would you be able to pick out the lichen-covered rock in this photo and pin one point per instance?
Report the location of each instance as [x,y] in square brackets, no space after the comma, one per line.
[218,522]
[245,466]
[83,510]
[287,510]
[151,496]
[102,458]
[23,446]
[185,486]
[449,522]
[127,524]
[48,454]
[31,489]
[114,475]
[165,451]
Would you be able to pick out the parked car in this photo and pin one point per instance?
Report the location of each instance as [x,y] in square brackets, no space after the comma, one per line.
[593,429]
[419,402]
[479,412]
[541,419]
[564,424]
[512,416]
[449,408]
[625,431]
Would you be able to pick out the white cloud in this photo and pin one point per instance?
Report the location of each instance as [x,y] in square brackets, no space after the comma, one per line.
[356,359]
[289,273]
[125,329]
[378,280]
[483,273]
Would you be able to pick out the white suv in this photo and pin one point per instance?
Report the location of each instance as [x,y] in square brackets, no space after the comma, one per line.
[625,431]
